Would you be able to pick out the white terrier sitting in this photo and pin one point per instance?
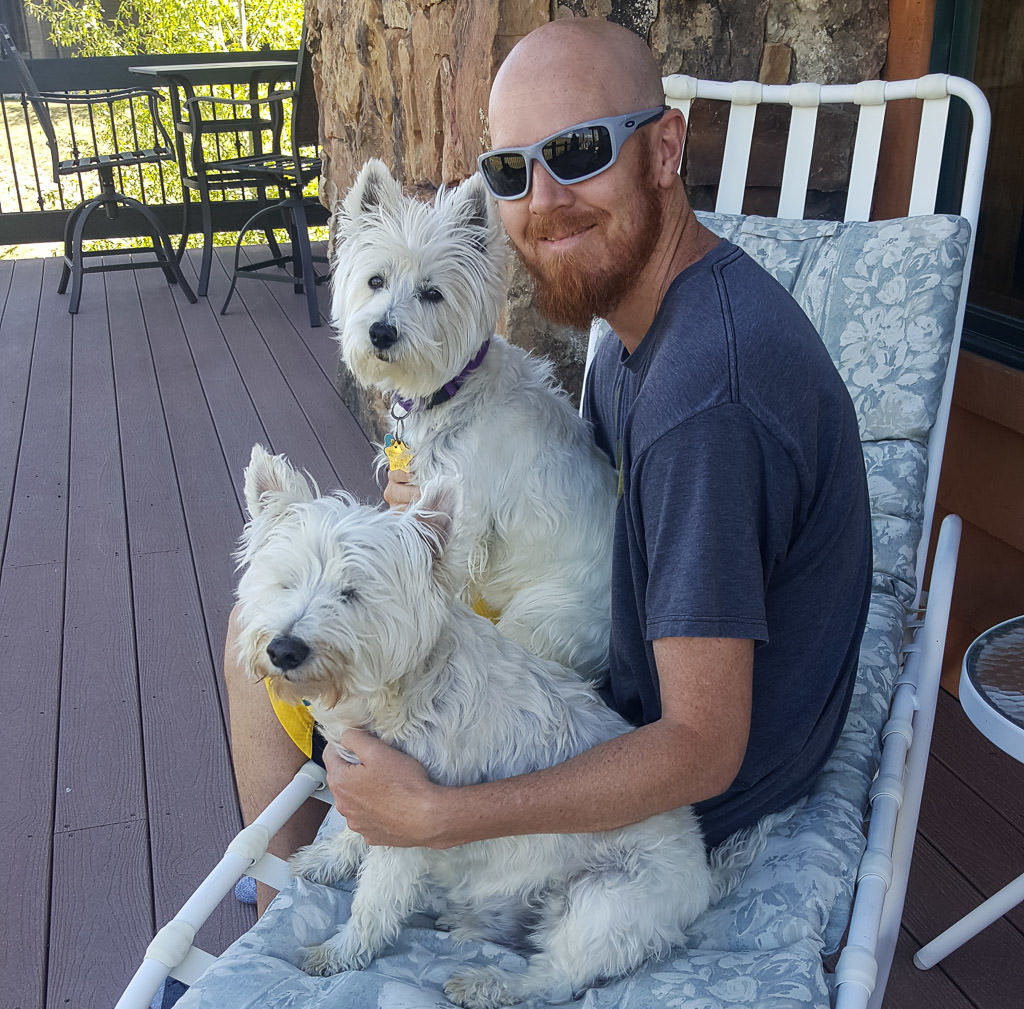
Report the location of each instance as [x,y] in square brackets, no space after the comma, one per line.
[357,610]
[417,292]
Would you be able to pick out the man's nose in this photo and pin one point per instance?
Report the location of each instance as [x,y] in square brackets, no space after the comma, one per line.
[546,193]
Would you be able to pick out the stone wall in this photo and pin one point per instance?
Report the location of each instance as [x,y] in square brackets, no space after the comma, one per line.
[407,81]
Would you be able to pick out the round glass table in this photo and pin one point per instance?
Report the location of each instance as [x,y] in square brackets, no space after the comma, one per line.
[992,696]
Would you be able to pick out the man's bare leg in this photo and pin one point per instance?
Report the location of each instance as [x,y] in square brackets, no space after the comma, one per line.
[265,759]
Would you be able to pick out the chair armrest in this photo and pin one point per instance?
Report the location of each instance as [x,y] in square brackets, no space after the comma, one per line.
[151,95]
[196,124]
[274,98]
[95,98]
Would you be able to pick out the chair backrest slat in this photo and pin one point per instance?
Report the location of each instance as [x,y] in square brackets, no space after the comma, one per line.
[797,168]
[745,98]
[926,165]
[305,109]
[864,164]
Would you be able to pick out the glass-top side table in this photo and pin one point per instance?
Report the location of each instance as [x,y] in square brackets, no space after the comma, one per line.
[992,686]
[992,696]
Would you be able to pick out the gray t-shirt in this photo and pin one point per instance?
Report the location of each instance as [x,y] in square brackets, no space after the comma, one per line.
[743,514]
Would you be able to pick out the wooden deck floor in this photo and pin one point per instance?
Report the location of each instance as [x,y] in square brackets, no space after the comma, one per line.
[123,435]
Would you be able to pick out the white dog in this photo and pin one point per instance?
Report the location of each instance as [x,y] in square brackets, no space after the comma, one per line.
[357,610]
[417,292]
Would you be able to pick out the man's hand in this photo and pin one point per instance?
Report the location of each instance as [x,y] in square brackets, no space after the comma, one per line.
[387,797]
[402,490]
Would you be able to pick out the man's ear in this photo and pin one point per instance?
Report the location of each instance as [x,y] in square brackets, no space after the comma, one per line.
[668,150]
[375,188]
[272,484]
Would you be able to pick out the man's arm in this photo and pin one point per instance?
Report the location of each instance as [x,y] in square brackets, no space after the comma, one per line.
[692,753]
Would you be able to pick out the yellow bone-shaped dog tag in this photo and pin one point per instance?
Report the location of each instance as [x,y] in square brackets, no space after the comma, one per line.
[399,454]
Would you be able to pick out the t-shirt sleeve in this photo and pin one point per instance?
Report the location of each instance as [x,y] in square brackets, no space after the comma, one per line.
[715,501]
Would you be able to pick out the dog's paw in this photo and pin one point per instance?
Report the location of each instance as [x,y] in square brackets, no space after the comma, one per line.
[335,957]
[323,862]
[481,988]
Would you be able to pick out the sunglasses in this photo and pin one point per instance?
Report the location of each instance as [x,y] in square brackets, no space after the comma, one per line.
[575,154]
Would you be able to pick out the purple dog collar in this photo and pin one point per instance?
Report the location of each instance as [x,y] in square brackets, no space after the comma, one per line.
[447,391]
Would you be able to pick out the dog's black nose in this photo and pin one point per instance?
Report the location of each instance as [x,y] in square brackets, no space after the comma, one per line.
[287,652]
[383,335]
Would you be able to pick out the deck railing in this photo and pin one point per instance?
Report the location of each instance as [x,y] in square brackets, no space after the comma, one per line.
[33,208]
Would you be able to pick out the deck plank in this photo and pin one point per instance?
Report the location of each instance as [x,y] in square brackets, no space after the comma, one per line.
[39,507]
[98,915]
[313,388]
[988,968]
[977,761]
[31,605]
[17,334]
[909,987]
[34,428]
[986,846]
[100,790]
[190,787]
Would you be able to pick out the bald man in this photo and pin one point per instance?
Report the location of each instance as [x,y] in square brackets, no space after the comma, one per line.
[742,563]
[742,551]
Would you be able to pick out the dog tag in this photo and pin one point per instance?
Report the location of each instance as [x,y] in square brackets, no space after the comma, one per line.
[399,454]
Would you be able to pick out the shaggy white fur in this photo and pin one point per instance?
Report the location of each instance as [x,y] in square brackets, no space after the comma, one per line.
[417,288]
[357,609]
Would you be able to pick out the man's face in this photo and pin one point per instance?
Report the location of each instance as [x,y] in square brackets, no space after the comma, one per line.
[586,244]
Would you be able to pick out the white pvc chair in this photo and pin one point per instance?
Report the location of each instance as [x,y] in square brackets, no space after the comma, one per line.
[864,963]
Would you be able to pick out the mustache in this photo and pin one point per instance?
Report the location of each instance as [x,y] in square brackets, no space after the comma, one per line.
[560,223]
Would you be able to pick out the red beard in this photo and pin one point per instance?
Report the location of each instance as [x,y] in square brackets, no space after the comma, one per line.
[572,289]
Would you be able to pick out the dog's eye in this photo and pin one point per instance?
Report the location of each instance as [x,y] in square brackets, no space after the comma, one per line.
[431,295]
[376,282]
[347,595]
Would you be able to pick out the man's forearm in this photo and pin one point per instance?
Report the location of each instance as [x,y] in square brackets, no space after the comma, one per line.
[654,768]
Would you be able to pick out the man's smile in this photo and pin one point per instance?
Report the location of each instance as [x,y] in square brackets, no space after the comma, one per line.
[564,240]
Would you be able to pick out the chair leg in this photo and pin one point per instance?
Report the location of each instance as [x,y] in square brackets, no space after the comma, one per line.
[243,231]
[163,249]
[76,250]
[301,238]
[207,261]
[69,230]
[185,231]
[288,213]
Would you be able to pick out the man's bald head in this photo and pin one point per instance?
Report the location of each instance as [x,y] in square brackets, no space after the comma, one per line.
[572,70]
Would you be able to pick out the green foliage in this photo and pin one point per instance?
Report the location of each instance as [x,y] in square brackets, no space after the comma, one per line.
[170,26]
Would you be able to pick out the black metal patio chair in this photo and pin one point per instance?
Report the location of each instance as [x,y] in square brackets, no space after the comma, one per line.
[106,158]
[290,173]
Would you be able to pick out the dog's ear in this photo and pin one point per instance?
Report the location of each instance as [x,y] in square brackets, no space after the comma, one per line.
[434,514]
[433,518]
[375,187]
[272,484]
[474,202]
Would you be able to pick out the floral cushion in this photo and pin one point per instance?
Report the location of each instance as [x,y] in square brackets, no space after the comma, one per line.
[883,297]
